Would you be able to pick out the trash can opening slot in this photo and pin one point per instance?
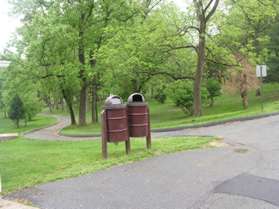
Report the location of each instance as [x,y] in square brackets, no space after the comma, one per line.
[137,98]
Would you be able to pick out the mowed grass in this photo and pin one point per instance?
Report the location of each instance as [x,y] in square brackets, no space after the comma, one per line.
[227,106]
[24,162]
[40,121]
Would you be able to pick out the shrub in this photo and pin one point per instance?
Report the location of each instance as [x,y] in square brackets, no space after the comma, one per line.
[181,92]
[161,96]
[214,90]
[16,111]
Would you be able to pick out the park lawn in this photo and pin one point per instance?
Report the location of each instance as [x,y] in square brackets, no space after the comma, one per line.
[227,106]
[26,162]
[40,121]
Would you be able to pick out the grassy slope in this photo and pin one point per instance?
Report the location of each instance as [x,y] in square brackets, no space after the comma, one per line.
[226,107]
[7,126]
[25,162]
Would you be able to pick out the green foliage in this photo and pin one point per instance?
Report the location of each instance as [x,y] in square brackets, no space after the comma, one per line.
[139,53]
[244,27]
[31,109]
[181,92]
[20,86]
[214,89]
[273,58]
[126,46]
[39,121]
[160,96]
[227,106]
[2,104]
[16,111]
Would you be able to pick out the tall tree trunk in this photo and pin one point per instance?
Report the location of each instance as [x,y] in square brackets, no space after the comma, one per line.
[83,90]
[95,118]
[211,102]
[244,90]
[69,104]
[94,106]
[62,104]
[5,114]
[17,123]
[199,71]
[82,104]
[204,13]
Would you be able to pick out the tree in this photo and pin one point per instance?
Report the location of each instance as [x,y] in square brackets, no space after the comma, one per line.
[195,27]
[16,111]
[244,90]
[273,58]
[214,90]
[2,104]
[204,14]
[140,53]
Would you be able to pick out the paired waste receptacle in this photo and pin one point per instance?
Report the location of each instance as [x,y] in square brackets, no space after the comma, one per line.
[121,121]
[138,118]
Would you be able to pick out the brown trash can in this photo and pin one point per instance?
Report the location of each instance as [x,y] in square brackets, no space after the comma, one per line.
[114,123]
[139,118]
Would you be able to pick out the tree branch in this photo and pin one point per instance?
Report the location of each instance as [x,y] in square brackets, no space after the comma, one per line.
[221,63]
[190,46]
[208,5]
[170,75]
[212,11]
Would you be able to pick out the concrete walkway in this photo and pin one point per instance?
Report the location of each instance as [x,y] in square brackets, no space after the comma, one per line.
[52,133]
[196,179]
[8,136]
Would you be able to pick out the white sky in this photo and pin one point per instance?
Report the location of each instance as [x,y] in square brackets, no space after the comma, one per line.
[9,22]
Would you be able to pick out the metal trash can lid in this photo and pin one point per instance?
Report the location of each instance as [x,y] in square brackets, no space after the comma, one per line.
[114,101]
[136,98]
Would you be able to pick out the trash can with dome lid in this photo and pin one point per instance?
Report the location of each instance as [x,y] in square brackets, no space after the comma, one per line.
[114,123]
[138,117]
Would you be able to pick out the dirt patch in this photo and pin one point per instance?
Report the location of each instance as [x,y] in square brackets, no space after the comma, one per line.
[232,85]
[218,143]
[241,150]
[5,204]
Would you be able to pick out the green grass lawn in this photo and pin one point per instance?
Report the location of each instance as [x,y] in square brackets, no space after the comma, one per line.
[25,162]
[226,107]
[7,126]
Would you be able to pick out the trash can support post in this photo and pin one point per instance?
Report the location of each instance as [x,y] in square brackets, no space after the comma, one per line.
[148,134]
[128,146]
[104,136]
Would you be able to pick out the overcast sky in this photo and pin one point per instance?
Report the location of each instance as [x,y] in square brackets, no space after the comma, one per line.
[9,23]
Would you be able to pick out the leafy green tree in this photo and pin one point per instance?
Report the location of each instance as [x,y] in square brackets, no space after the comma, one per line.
[244,27]
[16,111]
[214,90]
[2,104]
[140,54]
[273,58]
[59,34]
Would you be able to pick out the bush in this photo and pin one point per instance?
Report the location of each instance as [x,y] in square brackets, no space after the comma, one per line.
[214,90]
[31,109]
[161,96]
[181,92]
[16,111]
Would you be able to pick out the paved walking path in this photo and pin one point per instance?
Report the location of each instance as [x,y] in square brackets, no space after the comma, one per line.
[242,175]
[8,136]
[52,132]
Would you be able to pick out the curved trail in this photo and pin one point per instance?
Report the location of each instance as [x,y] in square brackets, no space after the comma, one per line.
[52,132]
